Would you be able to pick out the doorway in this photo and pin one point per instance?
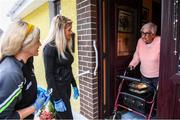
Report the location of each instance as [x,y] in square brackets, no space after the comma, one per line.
[120,23]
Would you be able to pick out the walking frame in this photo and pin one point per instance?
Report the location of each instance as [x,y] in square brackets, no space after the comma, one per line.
[118,105]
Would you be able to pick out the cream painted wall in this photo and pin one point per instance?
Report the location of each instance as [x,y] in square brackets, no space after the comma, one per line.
[68,9]
[40,18]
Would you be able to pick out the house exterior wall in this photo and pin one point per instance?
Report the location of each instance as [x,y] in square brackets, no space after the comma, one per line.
[68,9]
[1,32]
[40,18]
[86,27]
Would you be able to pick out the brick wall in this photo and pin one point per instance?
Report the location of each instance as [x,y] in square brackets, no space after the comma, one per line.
[86,27]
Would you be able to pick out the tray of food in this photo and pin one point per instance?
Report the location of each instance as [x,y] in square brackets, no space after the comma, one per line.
[138,86]
[138,91]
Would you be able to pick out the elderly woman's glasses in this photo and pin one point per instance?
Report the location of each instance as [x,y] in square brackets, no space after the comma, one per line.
[145,33]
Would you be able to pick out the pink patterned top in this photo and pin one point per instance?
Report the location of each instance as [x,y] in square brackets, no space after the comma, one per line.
[149,56]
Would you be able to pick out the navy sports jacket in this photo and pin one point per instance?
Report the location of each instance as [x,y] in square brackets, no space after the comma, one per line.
[11,84]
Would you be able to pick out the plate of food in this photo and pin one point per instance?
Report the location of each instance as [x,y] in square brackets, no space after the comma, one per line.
[138,86]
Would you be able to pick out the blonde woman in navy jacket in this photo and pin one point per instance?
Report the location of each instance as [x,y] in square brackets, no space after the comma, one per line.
[18,44]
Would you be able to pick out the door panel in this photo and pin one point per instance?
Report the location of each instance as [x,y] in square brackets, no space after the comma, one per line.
[117,44]
[127,34]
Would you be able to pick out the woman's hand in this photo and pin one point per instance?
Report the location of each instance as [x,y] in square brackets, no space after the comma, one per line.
[131,67]
[42,98]
[76,93]
[60,106]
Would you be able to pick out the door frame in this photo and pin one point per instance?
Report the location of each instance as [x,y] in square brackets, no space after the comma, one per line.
[169,76]
[100,59]
[109,34]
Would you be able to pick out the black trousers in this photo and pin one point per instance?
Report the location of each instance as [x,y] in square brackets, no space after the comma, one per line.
[153,84]
[66,93]
[150,81]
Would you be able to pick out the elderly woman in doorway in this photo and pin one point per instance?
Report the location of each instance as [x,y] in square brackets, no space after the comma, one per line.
[57,60]
[148,54]
[18,44]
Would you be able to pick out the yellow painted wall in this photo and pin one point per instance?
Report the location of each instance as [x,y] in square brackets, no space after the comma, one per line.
[68,9]
[40,18]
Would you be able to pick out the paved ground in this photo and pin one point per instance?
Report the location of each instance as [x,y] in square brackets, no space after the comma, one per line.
[132,116]
[78,116]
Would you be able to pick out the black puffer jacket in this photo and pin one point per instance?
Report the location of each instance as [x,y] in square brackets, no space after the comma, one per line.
[58,70]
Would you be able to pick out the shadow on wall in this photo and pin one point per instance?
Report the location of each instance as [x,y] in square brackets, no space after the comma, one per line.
[1,32]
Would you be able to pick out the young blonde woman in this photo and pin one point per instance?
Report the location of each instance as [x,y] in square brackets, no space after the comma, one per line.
[18,44]
[57,61]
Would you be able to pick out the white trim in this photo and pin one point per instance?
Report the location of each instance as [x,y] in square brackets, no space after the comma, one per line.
[21,8]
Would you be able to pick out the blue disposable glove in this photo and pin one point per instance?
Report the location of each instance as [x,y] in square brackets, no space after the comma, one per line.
[39,90]
[46,93]
[60,106]
[40,101]
[76,93]
[47,98]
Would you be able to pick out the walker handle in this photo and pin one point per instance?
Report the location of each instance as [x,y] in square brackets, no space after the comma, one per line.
[128,78]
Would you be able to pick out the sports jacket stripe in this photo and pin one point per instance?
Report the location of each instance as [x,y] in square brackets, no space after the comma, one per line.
[11,98]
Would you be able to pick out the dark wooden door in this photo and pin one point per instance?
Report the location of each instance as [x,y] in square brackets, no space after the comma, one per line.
[127,25]
[169,87]
[156,15]
[123,26]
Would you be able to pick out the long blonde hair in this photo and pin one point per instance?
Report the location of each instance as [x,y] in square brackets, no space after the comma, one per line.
[58,24]
[18,36]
